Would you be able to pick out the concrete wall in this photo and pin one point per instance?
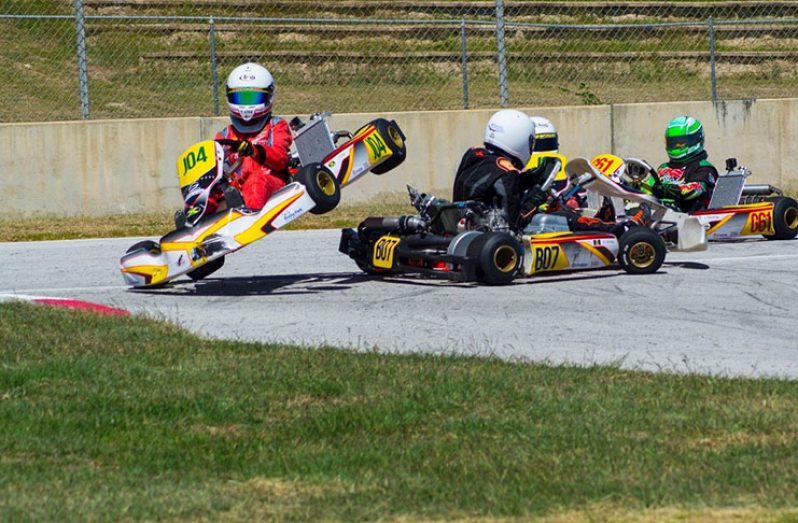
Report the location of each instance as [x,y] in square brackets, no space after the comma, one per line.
[125,166]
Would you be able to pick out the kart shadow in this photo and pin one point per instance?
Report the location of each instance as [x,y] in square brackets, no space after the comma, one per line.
[687,265]
[283,285]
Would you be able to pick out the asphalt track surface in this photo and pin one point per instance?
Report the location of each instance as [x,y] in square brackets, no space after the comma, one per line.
[730,310]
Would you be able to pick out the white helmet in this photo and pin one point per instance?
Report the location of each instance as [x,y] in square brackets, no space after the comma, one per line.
[512,132]
[546,139]
[250,93]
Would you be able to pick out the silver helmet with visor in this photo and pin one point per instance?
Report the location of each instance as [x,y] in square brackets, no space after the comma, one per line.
[250,95]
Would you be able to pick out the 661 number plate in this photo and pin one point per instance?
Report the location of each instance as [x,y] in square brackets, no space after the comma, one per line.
[383,252]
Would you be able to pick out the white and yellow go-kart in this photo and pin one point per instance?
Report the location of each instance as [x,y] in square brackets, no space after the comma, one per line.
[199,248]
[737,209]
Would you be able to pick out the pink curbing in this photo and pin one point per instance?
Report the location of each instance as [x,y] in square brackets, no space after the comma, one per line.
[68,303]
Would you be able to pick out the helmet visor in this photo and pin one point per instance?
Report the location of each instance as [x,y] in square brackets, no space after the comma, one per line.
[249,96]
[674,143]
[547,142]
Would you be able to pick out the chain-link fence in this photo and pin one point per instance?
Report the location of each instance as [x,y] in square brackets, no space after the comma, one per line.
[71,59]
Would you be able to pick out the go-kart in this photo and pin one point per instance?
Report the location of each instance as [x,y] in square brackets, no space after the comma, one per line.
[200,242]
[735,210]
[470,241]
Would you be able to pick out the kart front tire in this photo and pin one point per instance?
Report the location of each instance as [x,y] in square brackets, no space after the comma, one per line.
[322,187]
[785,218]
[641,251]
[395,140]
[206,270]
[498,255]
[146,245]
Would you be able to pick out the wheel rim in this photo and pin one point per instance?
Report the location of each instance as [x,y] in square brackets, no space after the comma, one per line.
[395,136]
[642,255]
[325,183]
[505,258]
[791,217]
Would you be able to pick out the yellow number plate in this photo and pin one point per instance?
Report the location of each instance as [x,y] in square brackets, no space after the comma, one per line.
[548,257]
[382,257]
[197,160]
[376,147]
[607,164]
[759,222]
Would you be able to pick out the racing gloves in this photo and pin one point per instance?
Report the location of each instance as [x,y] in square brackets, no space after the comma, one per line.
[245,148]
[533,199]
[667,190]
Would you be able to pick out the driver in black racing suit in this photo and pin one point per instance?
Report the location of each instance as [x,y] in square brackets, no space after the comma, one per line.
[493,175]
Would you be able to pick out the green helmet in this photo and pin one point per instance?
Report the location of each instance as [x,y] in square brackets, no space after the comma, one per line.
[684,138]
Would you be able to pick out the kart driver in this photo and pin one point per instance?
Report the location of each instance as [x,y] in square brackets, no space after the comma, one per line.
[687,179]
[493,174]
[260,139]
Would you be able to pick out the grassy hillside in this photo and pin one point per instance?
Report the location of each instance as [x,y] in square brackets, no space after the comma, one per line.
[162,67]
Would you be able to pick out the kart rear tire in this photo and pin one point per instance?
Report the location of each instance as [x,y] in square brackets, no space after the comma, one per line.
[146,245]
[785,218]
[641,251]
[322,186]
[206,270]
[395,140]
[499,257]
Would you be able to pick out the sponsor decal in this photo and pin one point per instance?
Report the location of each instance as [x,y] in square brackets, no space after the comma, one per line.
[293,214]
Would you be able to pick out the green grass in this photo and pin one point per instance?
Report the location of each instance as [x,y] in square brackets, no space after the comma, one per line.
[125,418]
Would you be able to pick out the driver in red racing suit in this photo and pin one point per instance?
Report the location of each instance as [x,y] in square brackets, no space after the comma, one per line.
[260,139]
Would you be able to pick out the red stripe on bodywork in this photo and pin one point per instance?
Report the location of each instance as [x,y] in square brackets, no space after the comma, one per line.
[571,238]
[733,210]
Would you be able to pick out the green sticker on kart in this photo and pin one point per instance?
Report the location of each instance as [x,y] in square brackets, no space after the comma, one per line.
[382,257]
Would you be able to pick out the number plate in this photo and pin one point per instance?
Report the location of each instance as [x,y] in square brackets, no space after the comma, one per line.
[376,147]
[607,164]
[382,257]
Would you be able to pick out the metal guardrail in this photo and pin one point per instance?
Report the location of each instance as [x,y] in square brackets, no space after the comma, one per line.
[133,58]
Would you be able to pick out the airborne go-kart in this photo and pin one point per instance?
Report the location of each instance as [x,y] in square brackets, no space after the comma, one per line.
[735,209]
[468,241]
[200,242]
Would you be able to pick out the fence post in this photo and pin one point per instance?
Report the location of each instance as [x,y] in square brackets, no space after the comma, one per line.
[712,73]
[214,69]
[83,68]
[464,62]
[504,98]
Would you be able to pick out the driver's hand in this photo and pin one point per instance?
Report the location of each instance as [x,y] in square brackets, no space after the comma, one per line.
[246,149]
[534,198]
[242,147]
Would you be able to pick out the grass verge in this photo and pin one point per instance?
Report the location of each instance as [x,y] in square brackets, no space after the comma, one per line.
[126,418]
[37,228]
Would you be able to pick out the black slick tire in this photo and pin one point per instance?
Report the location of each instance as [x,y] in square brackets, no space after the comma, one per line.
[395,140]
[498,255]
[321,185]
[641,251]
[206,270]
[785,218]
